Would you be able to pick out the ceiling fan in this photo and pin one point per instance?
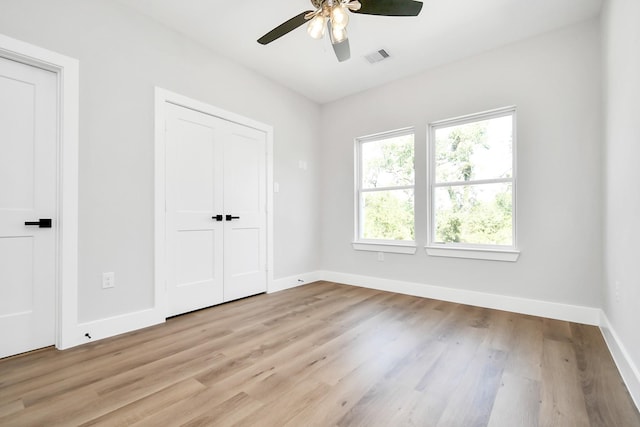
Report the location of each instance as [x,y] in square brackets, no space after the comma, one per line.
[332,14]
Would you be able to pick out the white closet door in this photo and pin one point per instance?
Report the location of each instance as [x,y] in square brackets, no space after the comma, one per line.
[194,174]
[27,194]
[215,210]
[245,200]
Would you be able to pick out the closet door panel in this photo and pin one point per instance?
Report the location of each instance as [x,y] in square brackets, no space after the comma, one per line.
[245,201]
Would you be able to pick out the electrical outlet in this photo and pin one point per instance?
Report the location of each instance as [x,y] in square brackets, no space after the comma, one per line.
[380,256]
[616,291]
[108,280]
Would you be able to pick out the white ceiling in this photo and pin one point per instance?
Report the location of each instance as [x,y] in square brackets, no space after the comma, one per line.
[445,30]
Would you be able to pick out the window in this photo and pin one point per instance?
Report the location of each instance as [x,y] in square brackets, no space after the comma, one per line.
[385,192]
[472,191]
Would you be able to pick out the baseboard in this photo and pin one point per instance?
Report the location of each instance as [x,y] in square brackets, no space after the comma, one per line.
[111,326]
[552,310]
[628,370]
[115,325]
[293,281]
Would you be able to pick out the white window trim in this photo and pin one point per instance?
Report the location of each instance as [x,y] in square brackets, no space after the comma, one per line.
[470,251]
[474,253]
[390,246]
[375,245]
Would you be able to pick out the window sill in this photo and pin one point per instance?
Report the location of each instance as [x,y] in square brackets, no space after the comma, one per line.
[396,248]
[474,253]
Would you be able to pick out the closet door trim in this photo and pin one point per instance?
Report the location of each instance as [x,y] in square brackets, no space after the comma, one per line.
[164,97]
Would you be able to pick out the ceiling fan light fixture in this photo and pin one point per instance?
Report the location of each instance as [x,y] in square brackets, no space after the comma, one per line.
[339,16]
[316,26]
[338,35]
[354,5]
[335,15]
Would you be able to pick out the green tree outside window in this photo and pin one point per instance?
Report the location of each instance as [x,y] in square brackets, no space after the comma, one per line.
[472,195]
[387,188]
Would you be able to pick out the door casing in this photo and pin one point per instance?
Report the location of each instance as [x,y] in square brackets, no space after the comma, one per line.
[66,233]
[162,97]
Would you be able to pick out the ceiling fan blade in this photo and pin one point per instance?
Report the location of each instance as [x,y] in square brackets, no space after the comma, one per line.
[390,7]
[284,28]
[342,50]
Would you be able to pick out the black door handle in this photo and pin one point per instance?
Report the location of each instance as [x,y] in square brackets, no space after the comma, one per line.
[42,223]
[229,217]
[217,217]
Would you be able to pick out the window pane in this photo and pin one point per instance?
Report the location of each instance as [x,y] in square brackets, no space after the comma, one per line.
[475,214]
[473,151]
[388,215]
[387,162]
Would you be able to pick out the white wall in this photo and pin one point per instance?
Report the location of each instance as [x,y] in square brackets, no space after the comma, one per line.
[554,80]
[622,142]
[123,55]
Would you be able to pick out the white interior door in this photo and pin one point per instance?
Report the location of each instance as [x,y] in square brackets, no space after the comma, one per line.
[245,200]
[194,174]
[27,194]
[215,210]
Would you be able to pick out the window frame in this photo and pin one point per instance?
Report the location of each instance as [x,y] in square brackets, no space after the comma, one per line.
[470,250]
[379,245]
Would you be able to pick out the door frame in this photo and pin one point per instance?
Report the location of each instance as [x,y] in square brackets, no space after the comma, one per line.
[66,233]
[162,97]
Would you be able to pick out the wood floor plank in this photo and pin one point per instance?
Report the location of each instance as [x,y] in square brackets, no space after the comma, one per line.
[344,394]
[289,403]
[11,407]
[115,392]
[563,401]
[142,408]
[199,406]
[556,330]
[326,354]
[606,400]
[450,368]
[43,387]
[472,400]
[55,411]
[517,402]
[501,329]
[419,409]
[377,407]
[525,352]
[228,413]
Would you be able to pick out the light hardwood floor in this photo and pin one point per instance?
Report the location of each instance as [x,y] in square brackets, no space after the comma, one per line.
[326,354]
